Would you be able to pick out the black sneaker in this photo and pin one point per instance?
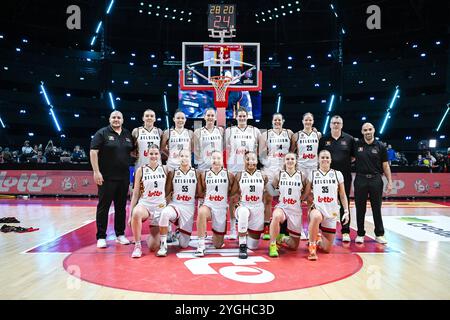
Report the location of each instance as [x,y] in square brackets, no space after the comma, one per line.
[243,251]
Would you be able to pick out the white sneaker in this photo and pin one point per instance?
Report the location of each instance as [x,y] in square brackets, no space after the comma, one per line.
[101,243]
[162,252]
[303,235]
[200,252]
[381,239]
[137,252]
[359,239]
[122,240]
[346,237]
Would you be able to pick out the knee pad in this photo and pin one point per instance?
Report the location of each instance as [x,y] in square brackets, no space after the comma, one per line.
[252,243]
[242,214]
[167,214]
[183,240]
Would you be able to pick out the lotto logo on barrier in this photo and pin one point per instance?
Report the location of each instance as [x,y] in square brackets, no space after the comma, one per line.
[47,182]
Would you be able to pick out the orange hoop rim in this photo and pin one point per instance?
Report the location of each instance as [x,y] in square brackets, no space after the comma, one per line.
[220,81]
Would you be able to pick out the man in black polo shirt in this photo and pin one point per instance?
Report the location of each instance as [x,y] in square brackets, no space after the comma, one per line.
[110,160]
[341,147]
[371,163]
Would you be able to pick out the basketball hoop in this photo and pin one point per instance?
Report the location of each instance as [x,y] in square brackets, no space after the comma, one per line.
[220,84]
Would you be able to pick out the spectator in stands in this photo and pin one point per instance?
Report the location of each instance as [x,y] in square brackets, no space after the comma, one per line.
[15,157]
[35,150]
[430,158]
[27,149]
[447,159]
[78,154]
[390,154]
[2,160]
[27,152]
[7,155]
[440,164]
[39,157]
[402,159]
[48,147]
[420,161]
[53,155]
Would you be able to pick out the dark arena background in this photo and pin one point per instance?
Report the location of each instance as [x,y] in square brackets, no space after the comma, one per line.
[66,66]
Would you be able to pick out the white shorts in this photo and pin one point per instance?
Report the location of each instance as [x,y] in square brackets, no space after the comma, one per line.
[154,212]
[203,166]
[182,216]
[328,224]
[294,220]
[306,172]
[172,163]
[256,218]
[271,173]
[218,218]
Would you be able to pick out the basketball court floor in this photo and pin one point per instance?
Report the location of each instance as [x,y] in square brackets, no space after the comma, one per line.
[61,261]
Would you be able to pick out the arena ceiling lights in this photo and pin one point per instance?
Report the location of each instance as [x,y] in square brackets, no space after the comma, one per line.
[289,7]
[166,12]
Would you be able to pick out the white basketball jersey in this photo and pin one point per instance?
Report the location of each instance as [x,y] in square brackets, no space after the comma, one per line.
[153,185]
[307,149]
[241,141]
[277,147]
[146,138]
[290,190]
[177,142]
[184,187]
[252,188]
[209,142]
[216,194]
[325,187]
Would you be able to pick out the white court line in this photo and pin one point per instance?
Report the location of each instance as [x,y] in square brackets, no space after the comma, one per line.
[53,239]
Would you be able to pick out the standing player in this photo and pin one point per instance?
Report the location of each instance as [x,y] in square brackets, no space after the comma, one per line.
[177,139]
[216,183]
[291,184]
[306,143]
[173,141]
[145,136]
[250,185]
[182,185]
[275,145]
[327,186]
[206,140]
[149,198]
[239,140]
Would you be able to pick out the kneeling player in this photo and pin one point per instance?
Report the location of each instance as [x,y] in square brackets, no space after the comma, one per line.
[290,183]
[250,210]
[149,198]
[326,183]
[217,183]
[180,210]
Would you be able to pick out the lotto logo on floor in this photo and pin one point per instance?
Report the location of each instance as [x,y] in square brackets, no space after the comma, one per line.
[419,228]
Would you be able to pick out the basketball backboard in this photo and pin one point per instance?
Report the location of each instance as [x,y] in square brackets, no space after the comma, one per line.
[203,60]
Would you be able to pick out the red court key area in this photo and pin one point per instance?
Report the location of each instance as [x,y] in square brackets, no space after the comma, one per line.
[218,273]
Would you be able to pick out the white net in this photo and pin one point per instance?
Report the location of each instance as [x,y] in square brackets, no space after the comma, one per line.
[221,84]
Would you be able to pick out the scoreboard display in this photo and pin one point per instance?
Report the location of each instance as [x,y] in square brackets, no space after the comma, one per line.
[222,16]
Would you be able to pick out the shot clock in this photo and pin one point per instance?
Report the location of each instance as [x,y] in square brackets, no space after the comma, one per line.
[222,16]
